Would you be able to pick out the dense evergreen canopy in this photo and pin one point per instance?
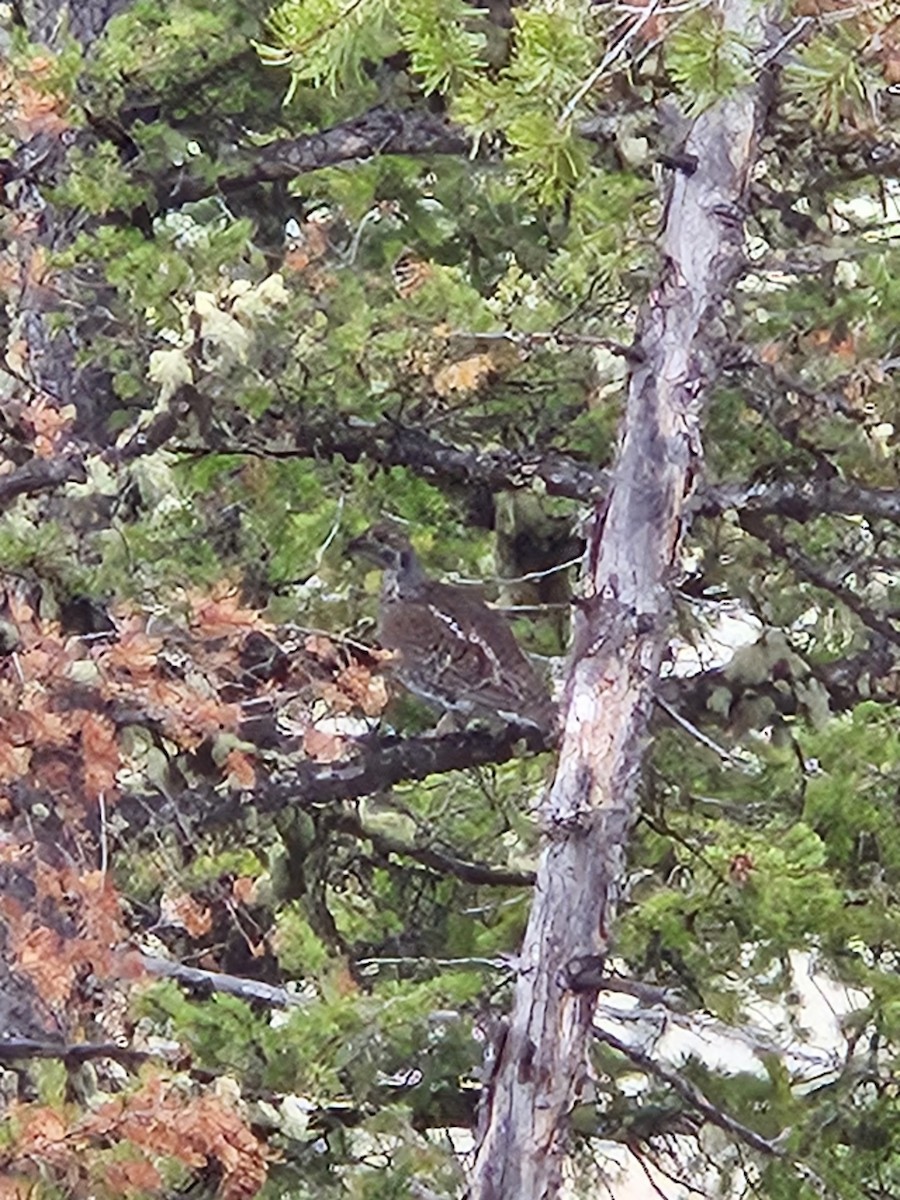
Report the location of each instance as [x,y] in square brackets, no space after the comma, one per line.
[599,303]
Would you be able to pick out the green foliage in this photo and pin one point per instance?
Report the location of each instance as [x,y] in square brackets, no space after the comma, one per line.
[165,542]
[704,917]
[535,252]
[857,761]
[51,1080]
[830,78]
[22,546]
[551,160]
[527,103]
[707,61]
[328,41]
[145,275]
[300,951]
[339,44]
[98,183]
[444,53]
[552,52]
[158,46]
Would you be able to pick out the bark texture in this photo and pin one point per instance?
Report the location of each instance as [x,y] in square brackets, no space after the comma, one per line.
[619,634]
[41,356]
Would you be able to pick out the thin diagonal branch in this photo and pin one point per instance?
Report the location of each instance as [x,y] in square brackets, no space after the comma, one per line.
[436,860]
[808,569]
[252,990]
[690,1093]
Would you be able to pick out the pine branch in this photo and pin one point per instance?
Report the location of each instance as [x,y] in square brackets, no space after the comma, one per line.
[374,765]
[379,131]
[436,860]
[796,499]
[41,475]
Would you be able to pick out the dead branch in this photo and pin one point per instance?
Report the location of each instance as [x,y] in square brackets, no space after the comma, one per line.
[690,1093]
[619,637]
[41,475]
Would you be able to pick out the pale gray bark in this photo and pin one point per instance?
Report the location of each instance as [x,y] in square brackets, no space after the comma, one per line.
[620,628]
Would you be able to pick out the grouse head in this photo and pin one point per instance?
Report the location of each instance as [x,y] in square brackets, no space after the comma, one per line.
[388,547]
[451,650]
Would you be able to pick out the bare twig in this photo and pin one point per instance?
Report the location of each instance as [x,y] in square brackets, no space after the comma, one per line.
[615,51]
[806,568]
[494,964]
[17,1049]
[527,341]
[104,837]
[252,990]
[690,1093]
[332,533]
[437,860]
[725,755]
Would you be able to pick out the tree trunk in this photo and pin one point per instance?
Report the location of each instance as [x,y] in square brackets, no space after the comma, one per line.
[619,635]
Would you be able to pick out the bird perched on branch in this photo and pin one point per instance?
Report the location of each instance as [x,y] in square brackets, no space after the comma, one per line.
[451,650]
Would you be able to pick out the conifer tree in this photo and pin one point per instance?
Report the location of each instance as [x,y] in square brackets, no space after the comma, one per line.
[597,304]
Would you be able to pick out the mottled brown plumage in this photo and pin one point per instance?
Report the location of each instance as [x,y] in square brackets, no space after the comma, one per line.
[452,650]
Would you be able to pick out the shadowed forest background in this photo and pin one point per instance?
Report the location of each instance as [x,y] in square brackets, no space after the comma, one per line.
[272,274]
